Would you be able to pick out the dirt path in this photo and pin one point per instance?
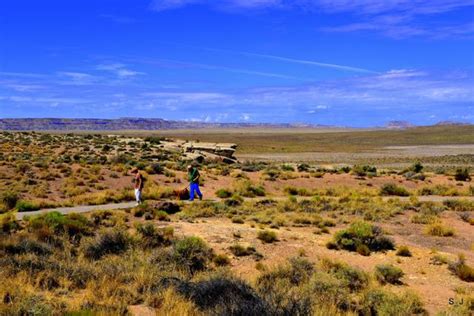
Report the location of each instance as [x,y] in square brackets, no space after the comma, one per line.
[125,205]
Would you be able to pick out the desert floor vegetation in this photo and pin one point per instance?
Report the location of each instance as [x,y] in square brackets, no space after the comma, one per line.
[270,238]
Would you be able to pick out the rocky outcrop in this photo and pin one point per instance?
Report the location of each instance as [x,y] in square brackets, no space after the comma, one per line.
[200,152]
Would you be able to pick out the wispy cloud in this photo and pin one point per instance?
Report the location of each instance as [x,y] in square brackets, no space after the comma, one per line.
[306,62]
[171,62]
[120,70]
[394,18]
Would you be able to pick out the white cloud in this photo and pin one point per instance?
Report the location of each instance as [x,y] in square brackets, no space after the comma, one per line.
[119,70]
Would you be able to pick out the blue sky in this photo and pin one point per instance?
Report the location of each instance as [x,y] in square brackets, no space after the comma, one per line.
[336,62]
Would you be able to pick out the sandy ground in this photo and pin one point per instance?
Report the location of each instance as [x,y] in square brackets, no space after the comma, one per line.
[435,284]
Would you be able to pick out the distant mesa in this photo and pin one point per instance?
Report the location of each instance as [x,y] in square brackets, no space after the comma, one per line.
[451,123]
[399,125]
[64,124]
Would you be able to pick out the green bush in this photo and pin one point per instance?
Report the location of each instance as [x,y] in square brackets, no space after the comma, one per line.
[9,199]
[221,260]
[26,206]
[52,223]
[387,273]
[241,251]
[162,216]
[223,193]
[404,251]
[393,189]
[355,279]
[152,237]
[192,254]
[362,171]
[462,270]
[361,236]
[287,167]
[439,230]
[267,236]
[380,302]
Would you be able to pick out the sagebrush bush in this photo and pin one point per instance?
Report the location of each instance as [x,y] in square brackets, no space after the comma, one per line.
[439,230]
[403,251]
[107,242]
[381,302]
[223,193]
[192,254]
[154,237]
[462,270]
[240,250]
[361,236]
[393,189]
[8,200]
[26,206]
[267,236]
[462,174]
[355,279]
[387,273]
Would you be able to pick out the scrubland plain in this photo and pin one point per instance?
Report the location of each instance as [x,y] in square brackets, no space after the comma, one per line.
[355,228]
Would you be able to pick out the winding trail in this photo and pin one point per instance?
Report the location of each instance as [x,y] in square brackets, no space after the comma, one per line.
[127,205]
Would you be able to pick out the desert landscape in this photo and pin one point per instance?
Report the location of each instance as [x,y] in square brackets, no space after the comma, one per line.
[293,222]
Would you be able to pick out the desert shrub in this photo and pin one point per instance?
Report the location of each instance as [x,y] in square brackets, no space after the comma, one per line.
[221,295]
[296,191]
[192,254]
[283,287]
[462,174]
[107,242]
[459,205]
[393,189]
[380,302]
[161,216]
[267,236]
[26,206]
[303,167]
[223,193]
[9,199]
[424,218]
[439,230]
[403,251]
[241,251]
[387,273]
[25,246]
[247,189]
[286,167]
[362,171]
[151,237]
[155,140]
[438,260]
[355,279]
[221,260]
[48,224]
[8,222]
[252,166]
[462,270]
[360,235]
[417,167]
[238,220]
[271,174]
[155,168]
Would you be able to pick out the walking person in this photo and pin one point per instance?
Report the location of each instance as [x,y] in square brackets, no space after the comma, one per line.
[138,185]
[193,176]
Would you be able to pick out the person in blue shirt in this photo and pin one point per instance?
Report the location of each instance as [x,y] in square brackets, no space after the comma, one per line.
[193,176]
